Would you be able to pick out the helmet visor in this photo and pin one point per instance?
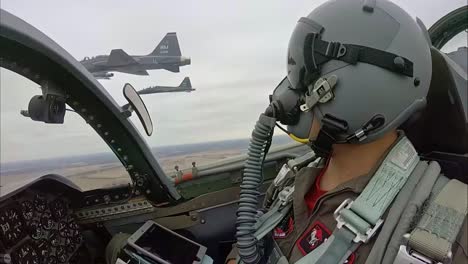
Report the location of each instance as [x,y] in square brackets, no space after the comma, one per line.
[296,63]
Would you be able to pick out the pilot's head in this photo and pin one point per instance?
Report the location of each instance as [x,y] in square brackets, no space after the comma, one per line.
[356,71]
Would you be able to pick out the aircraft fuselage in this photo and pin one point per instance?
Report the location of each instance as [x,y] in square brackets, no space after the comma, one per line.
[165,89]
[171,63]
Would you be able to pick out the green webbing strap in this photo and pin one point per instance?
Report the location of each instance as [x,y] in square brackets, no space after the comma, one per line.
[206,260]
[402,211]
[361,219]
[336,249]
[387,182]
[439,226]
[431,180]
[270,220]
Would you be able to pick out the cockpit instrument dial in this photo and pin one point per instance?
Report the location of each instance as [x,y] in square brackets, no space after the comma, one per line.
[46,221]
[43,249]
[63,229]
[36,230]
[58,208]
[27,209]
[54,239]
[11,226]
[62,255]
[26,254]
[52,260]
[38,227]
[40,203]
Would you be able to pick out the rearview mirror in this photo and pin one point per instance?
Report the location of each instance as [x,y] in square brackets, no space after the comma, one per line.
[139,107]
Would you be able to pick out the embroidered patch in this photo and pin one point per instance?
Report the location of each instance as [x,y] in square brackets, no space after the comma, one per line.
[284,228]
[313,237]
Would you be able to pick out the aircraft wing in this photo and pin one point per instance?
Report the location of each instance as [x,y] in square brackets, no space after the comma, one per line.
[103,75]
[136,70]
[172,68]
[118,57]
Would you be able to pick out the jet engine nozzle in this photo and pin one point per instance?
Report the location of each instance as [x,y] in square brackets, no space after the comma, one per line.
[185,61]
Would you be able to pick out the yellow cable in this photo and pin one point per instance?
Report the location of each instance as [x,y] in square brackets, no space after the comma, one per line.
[300,140]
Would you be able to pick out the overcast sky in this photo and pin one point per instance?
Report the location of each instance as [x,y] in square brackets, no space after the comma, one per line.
[238,51]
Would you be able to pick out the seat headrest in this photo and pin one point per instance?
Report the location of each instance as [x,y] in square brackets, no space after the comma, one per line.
[443,125]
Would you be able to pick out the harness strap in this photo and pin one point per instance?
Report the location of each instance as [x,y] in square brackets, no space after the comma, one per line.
[417,183]
[430,181]
[359,220]
[439,226]
[270,220]
[336,249]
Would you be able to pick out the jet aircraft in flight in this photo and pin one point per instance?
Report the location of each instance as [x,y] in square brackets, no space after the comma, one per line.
[185,86]
[166,56]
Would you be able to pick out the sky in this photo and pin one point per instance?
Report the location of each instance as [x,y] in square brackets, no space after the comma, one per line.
[238,52]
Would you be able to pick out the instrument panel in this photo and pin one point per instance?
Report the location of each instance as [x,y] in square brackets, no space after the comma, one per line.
[38,227]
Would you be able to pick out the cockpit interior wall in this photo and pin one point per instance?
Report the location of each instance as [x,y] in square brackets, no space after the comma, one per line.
[433,133]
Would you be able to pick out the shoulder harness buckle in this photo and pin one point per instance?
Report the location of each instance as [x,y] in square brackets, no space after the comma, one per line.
[407,255]
[344,216]
[286,195]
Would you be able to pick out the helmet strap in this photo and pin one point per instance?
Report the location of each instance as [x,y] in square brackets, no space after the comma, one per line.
[331,128]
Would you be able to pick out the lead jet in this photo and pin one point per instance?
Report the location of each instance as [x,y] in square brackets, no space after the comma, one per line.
[185,86]
[166,56]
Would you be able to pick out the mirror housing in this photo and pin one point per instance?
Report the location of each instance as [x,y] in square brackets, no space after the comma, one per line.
[135,103]
[48,109]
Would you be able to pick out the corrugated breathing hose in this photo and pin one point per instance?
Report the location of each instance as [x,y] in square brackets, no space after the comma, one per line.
[248,246]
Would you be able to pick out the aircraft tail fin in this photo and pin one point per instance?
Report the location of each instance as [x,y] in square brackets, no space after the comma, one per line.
[118,57]
[186,83]
[169,46]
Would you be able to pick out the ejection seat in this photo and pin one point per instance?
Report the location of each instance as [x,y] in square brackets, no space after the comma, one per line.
[440,132]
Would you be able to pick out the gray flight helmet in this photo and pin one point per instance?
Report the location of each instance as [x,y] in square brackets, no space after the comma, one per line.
[378,56]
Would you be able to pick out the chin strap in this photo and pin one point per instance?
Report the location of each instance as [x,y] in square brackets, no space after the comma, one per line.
[328,135]
[332,127]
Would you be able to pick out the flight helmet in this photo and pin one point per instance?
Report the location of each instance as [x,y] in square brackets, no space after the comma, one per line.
[360,68]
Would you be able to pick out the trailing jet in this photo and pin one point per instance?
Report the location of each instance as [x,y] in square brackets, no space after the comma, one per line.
[185,86]
[166,56]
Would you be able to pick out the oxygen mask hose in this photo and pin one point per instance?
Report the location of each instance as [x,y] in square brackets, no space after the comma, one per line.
[249,249]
